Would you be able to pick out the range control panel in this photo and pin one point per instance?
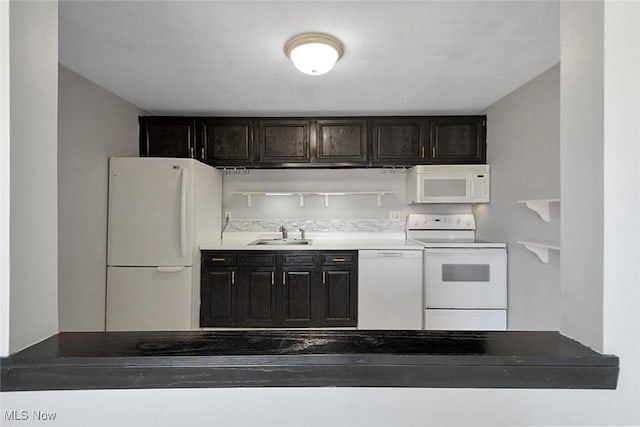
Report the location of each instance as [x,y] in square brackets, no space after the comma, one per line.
[441,222]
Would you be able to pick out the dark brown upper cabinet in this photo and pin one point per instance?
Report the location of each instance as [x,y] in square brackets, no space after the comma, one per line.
[284,142]
[167,136]
[301,142]
[399,140]
[458,139]
[341,142]
[226,142]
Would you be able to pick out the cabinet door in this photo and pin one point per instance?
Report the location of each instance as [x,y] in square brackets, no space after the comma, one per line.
[300,298]
[167,136]
[217,296]
[257,301]
[458,139]
[339,296]
[339,288]
[257,288]
[284,142]
[399,141]
[226,142]
[297,299]
[341,141]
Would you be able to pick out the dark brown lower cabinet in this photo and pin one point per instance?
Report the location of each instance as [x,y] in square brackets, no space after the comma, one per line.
[340,307]
[278,289]
[339,273]
[217,287]
[298,297]
[257,299]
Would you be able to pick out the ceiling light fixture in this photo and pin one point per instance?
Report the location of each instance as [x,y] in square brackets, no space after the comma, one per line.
[314,53]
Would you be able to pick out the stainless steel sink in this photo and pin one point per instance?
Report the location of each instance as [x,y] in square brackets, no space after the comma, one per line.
[297,242]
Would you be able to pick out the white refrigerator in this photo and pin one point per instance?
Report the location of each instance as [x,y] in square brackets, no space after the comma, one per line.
[160,211]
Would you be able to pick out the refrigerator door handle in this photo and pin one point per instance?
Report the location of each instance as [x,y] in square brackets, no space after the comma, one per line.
[183,212]
[169,269]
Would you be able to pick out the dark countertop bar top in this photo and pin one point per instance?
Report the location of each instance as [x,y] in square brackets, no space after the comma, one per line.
[308,358]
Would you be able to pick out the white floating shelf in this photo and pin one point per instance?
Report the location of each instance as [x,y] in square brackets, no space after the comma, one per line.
[541,248]
[540,206]
[301,195]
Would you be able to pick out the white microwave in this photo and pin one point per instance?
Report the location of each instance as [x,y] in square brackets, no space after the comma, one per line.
[448,184]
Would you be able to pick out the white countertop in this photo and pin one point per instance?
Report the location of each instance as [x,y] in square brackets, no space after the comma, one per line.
[319,241]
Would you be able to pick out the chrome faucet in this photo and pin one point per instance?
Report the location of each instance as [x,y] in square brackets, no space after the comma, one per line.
[283,231]
[302,232]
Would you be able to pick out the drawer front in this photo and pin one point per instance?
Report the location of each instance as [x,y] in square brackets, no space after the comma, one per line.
[297,258]
[218,258]
[339,258]
[258,258]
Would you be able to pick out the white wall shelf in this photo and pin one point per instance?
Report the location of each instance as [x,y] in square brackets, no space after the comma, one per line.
[541,248]
[301,195]
[540,206]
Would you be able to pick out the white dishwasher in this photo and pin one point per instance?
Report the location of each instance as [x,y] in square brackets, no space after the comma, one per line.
[390,289]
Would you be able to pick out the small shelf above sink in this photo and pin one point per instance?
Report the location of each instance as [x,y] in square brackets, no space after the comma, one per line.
[301,195]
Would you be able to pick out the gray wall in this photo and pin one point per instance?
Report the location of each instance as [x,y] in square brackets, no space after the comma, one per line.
[524,153]
[33,36]
[93,125]
[582,112]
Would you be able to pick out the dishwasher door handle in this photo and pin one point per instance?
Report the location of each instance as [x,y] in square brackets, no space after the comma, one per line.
[390,254]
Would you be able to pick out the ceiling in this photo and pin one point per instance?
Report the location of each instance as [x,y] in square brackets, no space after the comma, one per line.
[226,58]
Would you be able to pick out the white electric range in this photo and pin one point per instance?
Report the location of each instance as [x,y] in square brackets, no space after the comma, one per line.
[465,280]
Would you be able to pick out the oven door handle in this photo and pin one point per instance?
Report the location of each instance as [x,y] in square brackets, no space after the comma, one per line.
[470,251]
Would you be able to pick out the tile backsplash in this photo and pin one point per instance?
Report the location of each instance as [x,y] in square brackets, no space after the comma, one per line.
[316,225]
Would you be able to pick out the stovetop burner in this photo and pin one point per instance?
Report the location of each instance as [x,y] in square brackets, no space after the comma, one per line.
[446,231]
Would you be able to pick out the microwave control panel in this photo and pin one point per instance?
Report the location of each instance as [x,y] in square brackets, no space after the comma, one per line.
[480,188]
